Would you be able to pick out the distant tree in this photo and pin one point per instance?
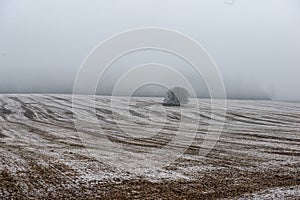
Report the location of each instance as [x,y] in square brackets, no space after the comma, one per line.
[176,96]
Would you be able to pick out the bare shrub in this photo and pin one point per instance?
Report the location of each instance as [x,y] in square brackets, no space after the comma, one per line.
[176,96]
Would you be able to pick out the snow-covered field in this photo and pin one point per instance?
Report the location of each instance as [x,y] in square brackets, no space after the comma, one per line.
[44,156]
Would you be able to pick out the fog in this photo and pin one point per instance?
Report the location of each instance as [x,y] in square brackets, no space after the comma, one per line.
[255,44]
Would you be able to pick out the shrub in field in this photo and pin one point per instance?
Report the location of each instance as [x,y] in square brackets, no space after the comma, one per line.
[176,96]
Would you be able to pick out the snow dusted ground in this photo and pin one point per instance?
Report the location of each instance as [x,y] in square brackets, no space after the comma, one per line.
[275,194]
[43,155]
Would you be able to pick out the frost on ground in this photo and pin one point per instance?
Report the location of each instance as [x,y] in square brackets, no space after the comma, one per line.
[42,155]
[275,194]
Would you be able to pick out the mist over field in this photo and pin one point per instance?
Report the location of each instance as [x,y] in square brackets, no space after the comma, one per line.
[145,135]
[255,44]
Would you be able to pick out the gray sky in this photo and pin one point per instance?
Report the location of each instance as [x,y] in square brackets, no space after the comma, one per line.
[255,44]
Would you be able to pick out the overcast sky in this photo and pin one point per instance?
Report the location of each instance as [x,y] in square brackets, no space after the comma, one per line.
[255,44]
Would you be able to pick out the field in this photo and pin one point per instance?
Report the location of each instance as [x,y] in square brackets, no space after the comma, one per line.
[42,154]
